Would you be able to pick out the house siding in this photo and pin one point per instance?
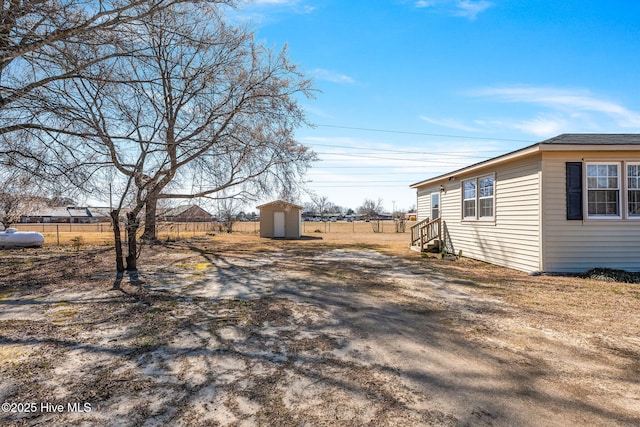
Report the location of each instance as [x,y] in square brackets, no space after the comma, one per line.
[513,238]
[424,202]
[574,246]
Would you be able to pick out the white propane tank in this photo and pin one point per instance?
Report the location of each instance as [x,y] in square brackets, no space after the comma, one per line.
[12,238]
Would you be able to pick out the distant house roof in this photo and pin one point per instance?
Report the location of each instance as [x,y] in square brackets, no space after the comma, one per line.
[78,212]
[177,210]
[57,212]
[64,211]
[71,211]
[564,142]
[192,211]
[280,203]
[100,211]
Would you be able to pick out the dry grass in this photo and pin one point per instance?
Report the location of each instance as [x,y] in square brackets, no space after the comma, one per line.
[546,330]
[335,232]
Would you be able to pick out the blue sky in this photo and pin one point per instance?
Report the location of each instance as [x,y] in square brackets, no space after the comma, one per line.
[410,89]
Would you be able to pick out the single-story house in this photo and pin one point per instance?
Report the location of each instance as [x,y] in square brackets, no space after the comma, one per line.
[66,214]
[280,219]
[567,204]
[186,213]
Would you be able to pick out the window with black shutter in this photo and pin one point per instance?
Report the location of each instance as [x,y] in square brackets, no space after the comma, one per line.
[574,190]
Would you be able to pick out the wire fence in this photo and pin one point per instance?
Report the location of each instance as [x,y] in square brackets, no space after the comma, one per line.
[64,233]
[356,227]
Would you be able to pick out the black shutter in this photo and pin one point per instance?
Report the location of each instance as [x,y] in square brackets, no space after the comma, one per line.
[574,190]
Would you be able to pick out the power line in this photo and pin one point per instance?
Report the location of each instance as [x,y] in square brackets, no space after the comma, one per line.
[377,174]
[365,154]
[366,167]
[362,186]
[425,134]
[355,157]
[429,153]
[386,181]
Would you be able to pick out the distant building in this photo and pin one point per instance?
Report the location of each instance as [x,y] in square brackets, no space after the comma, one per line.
[64,215]
[186,213]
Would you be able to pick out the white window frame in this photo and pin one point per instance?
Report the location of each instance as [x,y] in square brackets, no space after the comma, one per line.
[477,198]
[492,197]
[620,189]
[628,188]
[436,194]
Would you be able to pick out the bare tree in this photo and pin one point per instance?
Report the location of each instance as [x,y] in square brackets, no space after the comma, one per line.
[320,205]
[48,42]
[35,33]
[17,196]
[200,108]
[370,208]
[229,210]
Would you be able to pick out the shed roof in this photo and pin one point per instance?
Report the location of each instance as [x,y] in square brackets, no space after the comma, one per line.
[563,142]
[280,203]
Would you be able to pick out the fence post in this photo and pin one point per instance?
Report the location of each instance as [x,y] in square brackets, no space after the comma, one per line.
[58,233]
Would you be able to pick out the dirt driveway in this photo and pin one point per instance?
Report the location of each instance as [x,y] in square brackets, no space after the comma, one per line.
[309,333]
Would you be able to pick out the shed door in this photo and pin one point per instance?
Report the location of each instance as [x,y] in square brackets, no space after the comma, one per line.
[278,224]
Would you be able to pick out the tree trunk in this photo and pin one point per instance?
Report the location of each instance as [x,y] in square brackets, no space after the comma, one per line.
[150,207]
[132,230]
[117,239]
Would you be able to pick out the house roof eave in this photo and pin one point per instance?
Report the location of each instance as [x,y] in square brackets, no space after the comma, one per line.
[564,142]
[513,155]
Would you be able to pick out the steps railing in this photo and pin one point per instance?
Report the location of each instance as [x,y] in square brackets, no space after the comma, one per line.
[425,231]
[415,231]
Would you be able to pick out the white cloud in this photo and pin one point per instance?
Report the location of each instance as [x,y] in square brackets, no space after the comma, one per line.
[281,2]
[575,105]
[450,123]
[542,125]
[332,76]
[469,9]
